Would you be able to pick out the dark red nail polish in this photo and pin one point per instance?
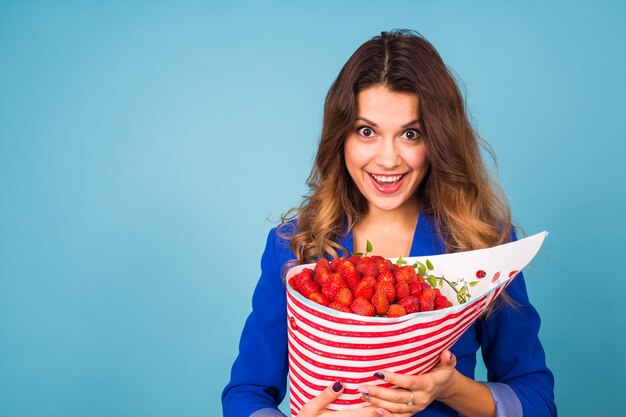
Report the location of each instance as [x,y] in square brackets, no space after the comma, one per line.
[337,386]
[379,375]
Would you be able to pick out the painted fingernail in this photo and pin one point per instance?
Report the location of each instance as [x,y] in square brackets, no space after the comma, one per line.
[379,412]
[379,375]
[363,390]
[337,386]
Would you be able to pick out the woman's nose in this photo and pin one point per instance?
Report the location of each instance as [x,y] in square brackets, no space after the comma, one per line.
[388,155]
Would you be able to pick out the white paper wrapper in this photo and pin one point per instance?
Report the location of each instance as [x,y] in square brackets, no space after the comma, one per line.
[326,345]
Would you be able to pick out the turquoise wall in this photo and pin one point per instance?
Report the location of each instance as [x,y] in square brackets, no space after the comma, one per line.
[144,145]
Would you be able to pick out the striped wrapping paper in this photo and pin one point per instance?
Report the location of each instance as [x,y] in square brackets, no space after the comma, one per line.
[326,345]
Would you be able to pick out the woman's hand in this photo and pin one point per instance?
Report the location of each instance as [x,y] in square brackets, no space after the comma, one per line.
[414,393]
[316,407]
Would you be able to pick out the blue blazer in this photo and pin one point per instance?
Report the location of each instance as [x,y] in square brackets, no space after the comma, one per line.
[508,340]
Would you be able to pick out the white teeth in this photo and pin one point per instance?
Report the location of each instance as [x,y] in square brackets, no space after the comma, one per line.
[381,178]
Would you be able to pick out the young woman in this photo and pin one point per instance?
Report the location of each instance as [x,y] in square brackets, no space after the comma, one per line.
[400,165]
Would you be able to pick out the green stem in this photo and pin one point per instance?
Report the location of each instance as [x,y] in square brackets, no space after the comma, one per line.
[453,287]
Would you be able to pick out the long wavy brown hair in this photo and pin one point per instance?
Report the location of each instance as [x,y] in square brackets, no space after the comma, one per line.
[468,207]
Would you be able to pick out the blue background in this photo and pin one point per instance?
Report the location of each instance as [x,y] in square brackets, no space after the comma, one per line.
[145,145]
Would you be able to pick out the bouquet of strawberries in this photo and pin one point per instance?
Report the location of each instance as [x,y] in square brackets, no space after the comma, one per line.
[370,286]
[353,316]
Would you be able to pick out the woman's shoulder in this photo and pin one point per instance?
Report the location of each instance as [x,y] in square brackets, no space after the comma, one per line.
[279,241]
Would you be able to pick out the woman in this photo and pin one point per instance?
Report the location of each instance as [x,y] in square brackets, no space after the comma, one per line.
[398,164]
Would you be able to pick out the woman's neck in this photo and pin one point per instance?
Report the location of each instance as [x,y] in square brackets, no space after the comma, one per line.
[390,232]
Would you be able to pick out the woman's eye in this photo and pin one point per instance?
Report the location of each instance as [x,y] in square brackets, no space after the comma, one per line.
[365,131]
[411,134]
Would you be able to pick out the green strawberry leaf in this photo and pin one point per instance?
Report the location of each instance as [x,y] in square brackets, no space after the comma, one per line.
[368,246]
[360,255]
[474,283]
[441,283]
[421,268]
[400,261]
[432,281]
[414,265]
[463,290]
[460,298]
[429,265]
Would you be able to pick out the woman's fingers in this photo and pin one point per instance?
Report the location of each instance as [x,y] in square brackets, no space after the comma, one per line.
[446,359]
[420,382]
[318,404]
[384,413]
[410,398]
[387,394]
[395,407]
[411,382]
[369,411]
[396,400]
[411,393]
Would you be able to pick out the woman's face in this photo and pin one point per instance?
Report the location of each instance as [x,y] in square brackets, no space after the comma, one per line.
[384,152]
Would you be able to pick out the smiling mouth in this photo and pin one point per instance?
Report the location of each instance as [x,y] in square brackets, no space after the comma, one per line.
[386,179]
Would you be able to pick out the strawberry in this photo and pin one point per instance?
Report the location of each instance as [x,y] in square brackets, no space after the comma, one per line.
[442,301]
[386,276]
[362,307]
[307,273]
[296,281]
[354,259]
[410,304]
[384,265]
[388,289]
[380,302]
[321,276]
[336,305]
[396,310]
[319,298]
[402,290]
[406,274]
[362,263]
[349,273]
[322,264]
[370,280]
[367,267]
[426,299]
[416,288]
[419,278]
[363,289]
[344,296]
[333,284]
[307,287]
[425,286]
[352,278]
[334,264]
[292,283]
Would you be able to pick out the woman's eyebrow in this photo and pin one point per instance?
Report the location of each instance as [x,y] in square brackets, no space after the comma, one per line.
[412,122]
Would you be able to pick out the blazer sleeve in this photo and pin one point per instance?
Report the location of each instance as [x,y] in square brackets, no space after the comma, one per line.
[513,353]
[259,374]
